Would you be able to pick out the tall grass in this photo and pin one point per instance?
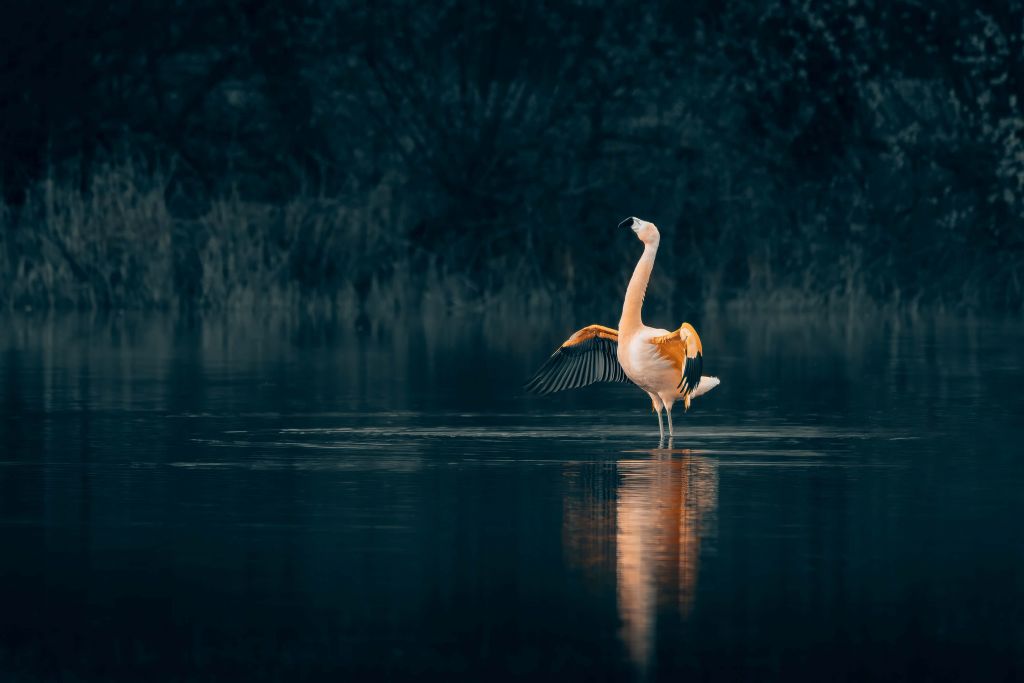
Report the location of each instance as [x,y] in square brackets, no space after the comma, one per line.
[110,247]
[119,245]
[130,242]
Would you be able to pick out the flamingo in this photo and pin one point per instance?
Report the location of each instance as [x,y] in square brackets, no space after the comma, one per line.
[666,365]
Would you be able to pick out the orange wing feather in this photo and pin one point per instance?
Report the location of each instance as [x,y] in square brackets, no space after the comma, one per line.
[684,350]
[589,332]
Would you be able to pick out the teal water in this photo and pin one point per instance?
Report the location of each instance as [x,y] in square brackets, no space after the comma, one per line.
[272,498]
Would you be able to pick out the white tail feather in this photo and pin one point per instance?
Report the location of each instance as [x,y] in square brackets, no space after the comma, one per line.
[705,385]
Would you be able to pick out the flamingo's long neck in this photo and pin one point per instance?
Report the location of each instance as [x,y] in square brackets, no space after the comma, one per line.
[630,321]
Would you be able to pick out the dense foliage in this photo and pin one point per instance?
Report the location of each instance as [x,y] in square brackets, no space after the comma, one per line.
[238,153]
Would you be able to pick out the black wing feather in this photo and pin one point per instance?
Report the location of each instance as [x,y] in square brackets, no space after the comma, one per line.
[579,365]
[692,370]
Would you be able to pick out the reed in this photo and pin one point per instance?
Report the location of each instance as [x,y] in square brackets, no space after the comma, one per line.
[129,242]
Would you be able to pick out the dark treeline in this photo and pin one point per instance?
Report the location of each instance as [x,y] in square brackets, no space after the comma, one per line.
[387,154]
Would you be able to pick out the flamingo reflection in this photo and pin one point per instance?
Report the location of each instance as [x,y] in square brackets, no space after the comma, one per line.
[643,519]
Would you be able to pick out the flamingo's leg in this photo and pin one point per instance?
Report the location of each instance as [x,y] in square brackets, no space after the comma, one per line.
[667,402]
[657,406]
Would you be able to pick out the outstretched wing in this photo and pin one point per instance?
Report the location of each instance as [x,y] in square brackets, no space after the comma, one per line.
[588,356]
[683,348]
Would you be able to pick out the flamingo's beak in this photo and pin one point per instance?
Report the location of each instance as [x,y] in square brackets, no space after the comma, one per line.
[628,223]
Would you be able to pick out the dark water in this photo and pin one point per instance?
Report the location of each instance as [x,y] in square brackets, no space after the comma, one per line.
[268,499]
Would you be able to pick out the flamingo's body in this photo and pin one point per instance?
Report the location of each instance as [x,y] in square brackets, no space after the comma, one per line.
[666,365]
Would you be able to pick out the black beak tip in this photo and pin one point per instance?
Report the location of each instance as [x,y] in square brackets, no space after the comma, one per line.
[627,223]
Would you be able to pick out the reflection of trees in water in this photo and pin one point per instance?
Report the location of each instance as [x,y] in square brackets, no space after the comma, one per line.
[641,522]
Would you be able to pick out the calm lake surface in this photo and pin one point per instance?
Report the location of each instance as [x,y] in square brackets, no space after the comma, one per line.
[261,499]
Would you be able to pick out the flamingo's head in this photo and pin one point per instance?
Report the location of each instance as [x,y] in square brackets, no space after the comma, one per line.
[646,231]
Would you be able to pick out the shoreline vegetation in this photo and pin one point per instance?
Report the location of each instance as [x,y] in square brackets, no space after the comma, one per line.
[124,243]
[368,159]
